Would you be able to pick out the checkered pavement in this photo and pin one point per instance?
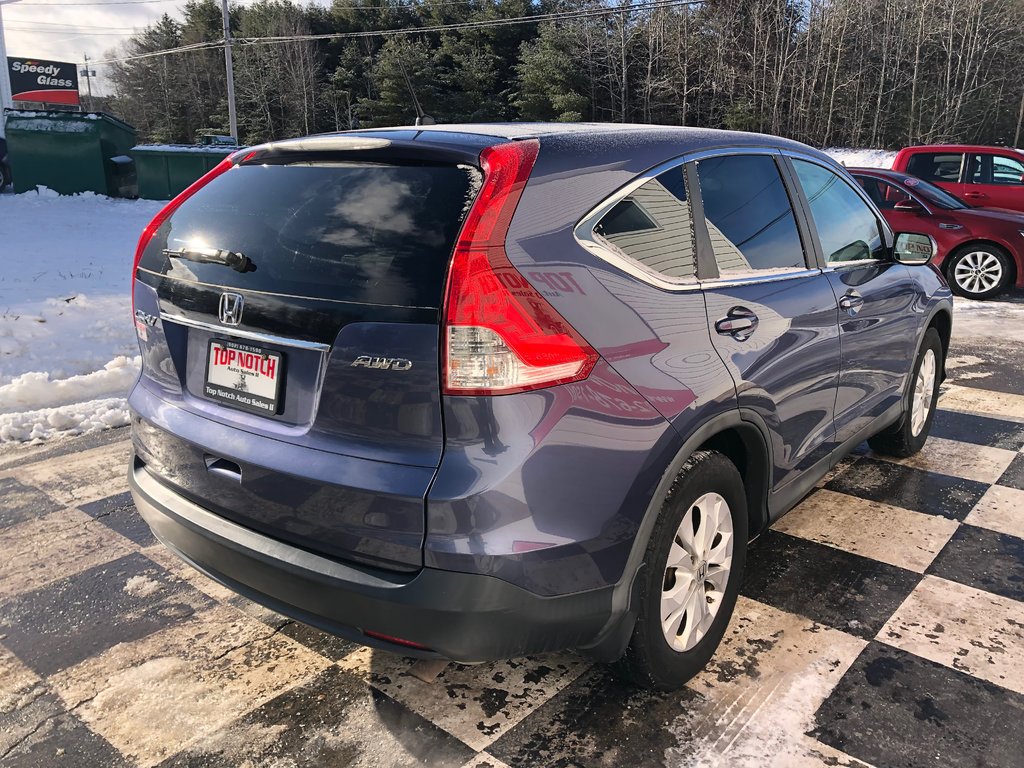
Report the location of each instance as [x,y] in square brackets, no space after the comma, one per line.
[881,622]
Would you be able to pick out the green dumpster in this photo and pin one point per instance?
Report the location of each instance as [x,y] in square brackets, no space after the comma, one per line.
[70,152]
[164,170]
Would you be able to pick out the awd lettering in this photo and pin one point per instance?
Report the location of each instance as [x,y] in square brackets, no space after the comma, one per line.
[387,363]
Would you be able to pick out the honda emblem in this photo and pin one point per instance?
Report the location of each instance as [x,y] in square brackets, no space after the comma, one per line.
[231,305]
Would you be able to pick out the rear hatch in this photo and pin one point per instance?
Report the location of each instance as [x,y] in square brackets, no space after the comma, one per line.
[289,309]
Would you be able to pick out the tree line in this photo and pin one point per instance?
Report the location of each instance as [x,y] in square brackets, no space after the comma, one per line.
[879,73]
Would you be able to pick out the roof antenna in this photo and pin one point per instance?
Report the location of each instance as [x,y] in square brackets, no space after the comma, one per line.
[421,119]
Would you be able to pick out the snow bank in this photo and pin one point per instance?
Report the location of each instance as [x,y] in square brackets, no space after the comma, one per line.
[68,352]
[862,158]
[72,419]
[36,390]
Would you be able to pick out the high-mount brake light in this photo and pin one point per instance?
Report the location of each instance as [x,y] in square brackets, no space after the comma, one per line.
[500,335]
[165,213]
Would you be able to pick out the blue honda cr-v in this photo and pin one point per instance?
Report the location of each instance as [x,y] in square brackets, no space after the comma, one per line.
[480,391]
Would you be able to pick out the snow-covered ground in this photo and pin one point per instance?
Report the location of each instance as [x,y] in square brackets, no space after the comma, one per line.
[862,158]
[67,342]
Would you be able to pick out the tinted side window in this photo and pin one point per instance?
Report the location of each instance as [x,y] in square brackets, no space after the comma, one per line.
[653,227]
[1006,170]
[882,193]
[847,227]
[749,215]
[932,166]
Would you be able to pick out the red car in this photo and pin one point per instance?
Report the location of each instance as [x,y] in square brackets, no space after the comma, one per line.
[992,177]
[981,251]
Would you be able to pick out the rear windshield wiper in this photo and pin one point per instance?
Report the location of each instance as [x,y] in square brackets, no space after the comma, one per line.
[237,261]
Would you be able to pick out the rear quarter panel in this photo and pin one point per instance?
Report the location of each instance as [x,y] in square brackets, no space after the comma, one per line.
[557,482]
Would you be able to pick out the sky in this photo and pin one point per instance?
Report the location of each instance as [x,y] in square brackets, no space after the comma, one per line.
[67,30]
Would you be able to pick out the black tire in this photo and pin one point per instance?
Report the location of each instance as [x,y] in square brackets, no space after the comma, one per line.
[5,176]
[650,661]
[969,283]
[900,440]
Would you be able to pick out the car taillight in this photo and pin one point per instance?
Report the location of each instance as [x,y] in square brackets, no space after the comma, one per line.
[500,335]
[165,213]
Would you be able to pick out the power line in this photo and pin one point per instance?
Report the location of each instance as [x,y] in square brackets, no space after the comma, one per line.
[482,23]
[97,2]
[71,32]
[465,25]
[34,22]
[397,6]
[206,45]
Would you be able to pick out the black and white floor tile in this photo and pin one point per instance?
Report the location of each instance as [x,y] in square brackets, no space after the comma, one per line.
[880,623]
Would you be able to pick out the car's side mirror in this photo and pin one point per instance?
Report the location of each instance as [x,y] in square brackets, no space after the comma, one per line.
[908,205]
[911,248]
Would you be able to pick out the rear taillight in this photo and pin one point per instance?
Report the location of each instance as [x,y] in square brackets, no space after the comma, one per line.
[165,213]
[500,334]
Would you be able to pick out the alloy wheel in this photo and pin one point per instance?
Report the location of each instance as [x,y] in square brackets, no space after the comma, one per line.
[924,389]
[978,272]
[697,571]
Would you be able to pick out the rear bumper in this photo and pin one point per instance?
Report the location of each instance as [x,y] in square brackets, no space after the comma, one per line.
[459,616]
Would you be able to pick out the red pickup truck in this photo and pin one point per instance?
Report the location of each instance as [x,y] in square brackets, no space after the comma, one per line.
[983,177]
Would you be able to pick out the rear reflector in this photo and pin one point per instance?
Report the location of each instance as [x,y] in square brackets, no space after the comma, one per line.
[165,213]
[395,640]
[500,335]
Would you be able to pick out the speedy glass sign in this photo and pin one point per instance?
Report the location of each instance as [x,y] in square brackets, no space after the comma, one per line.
[49,82]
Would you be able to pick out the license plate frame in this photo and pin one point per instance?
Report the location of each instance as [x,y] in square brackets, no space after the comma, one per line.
[247,367]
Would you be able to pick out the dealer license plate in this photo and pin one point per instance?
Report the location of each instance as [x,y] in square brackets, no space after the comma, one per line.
[243,376]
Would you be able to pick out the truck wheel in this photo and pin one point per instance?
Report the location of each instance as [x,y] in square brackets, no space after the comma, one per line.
[691,574]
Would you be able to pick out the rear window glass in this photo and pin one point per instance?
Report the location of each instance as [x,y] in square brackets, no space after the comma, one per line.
[347,231]
[933,166]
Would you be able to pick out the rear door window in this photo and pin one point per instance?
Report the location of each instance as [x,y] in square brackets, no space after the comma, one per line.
[749,215]
[652,226]
[1007,171]
[346,231]
[936,166]
[847,227]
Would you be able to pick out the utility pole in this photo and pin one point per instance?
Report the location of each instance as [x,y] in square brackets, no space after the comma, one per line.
[89,75]
[6,100]
[229,69]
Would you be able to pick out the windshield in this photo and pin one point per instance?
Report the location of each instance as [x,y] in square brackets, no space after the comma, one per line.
[933,194]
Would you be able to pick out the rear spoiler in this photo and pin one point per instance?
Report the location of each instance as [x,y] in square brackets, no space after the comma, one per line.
[401,144]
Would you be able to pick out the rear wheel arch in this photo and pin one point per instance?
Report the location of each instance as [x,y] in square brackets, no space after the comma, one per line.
[744,446]
[744,443]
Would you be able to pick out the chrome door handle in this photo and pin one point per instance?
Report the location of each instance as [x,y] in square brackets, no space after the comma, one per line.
[851,302]
[740,323]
